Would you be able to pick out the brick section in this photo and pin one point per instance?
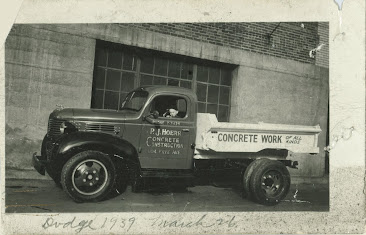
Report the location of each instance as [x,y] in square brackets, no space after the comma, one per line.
[322,57]
[289,40]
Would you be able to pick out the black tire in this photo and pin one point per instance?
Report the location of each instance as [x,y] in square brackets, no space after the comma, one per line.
[247,176]
[121,180]
[88,176]
[270,182]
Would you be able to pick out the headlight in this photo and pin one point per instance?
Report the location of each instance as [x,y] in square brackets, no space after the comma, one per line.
[67,127]
[62,128]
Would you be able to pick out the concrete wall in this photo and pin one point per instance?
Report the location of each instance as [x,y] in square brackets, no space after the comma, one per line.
[265,88]
[42,68]
[274,90]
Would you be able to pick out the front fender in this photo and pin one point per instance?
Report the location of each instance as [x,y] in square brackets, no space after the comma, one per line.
[75,142]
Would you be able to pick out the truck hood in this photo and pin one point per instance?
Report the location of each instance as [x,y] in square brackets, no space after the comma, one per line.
[94,114]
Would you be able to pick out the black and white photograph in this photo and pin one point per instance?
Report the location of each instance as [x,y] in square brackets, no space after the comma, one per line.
[167,117]
[159,120]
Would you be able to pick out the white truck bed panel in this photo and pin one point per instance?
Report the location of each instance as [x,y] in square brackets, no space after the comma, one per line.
[240,137]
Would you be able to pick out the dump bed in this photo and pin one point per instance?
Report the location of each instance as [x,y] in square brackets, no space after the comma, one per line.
[240,137]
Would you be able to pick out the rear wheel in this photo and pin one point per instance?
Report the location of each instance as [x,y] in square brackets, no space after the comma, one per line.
[270,182]
[248,174]
[88,176]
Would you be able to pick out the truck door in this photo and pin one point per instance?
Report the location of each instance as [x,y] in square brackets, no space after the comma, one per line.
[167,144]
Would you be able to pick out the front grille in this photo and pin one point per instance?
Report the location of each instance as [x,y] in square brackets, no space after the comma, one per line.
[54,127]
[49,148]
[101,127]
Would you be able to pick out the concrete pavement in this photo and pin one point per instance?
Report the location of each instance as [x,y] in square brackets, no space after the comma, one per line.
[37,196]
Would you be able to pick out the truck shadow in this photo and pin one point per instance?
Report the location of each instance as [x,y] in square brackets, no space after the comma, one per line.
[160,186]
[164,186]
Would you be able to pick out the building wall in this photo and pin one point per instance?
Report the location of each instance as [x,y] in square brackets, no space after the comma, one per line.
[322,57]
[273,90]
[288,40]
[268,88]
[42,68]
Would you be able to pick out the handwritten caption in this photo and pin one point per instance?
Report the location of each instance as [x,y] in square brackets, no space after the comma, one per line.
[95,224]
[116,223]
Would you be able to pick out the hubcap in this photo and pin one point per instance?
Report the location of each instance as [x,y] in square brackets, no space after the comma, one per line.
[89,177]
[272,183]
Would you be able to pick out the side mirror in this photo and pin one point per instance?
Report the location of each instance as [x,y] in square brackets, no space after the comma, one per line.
[151,118]
[155,114]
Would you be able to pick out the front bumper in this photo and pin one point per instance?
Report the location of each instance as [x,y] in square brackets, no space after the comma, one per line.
[39,163]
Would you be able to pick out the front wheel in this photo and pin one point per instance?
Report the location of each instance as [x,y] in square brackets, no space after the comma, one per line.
[270,182]
[88,176]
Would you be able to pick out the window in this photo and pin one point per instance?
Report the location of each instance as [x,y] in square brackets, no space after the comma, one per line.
[114,77]
[134,101]
[169,106]
[165,71]
[213,91]
[119,69]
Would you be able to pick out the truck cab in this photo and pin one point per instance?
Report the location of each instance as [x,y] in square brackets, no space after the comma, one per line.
[168,129]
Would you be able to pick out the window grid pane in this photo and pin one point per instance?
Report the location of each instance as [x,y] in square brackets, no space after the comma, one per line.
[187,71]
[201,107]
[202,73]
[174,69]
[113,80]
[169,72]
[115,59]
[116,71]
[129,62]
[214,92]
[214,75]
[114,76]
[201,92]
[160,66]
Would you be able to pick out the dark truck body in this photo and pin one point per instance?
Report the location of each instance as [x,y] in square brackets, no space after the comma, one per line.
[83,147]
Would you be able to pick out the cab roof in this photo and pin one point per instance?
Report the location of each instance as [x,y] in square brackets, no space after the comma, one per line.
[168,89]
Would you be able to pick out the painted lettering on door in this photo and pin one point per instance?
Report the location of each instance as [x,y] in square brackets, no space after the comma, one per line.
[164,141]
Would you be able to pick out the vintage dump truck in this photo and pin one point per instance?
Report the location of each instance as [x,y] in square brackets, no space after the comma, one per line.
[157,133]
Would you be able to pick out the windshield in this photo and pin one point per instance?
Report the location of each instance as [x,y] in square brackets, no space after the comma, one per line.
[134,101]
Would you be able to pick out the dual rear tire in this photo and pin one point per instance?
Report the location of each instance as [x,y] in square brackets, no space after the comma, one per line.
[266,181]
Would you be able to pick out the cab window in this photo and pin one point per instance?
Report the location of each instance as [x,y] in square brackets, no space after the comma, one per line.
[134,101]
[169,106]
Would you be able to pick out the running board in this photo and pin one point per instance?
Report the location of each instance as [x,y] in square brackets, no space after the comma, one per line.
[152,173]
